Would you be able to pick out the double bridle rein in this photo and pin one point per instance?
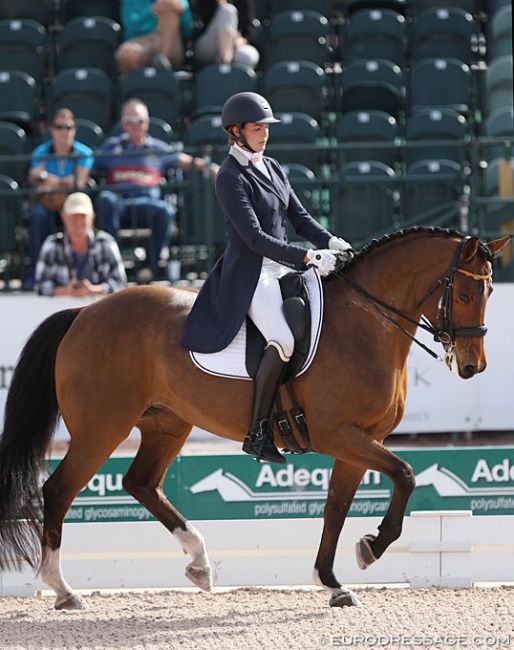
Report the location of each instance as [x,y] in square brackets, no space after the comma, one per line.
[446,333]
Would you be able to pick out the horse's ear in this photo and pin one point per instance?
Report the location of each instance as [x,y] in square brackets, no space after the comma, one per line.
[497,244]
[469,249]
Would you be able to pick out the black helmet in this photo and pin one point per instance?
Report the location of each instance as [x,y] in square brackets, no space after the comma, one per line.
[246,107]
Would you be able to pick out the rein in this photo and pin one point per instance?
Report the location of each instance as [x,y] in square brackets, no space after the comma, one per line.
[446,333]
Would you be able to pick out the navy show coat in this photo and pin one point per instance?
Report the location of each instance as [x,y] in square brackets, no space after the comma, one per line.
[256,212]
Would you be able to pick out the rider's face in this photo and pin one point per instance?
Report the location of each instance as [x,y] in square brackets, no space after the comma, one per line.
[256,135]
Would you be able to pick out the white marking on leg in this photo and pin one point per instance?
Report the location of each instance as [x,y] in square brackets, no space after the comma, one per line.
[199,570]
[51,574]
[337,594]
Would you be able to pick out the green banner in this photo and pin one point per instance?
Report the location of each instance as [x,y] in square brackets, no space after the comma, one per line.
[480,479]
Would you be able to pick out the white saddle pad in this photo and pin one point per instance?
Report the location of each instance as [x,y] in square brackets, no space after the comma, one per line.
[231,361]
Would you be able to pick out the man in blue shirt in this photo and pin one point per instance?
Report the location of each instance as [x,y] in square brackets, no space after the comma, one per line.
[58,167]
[134,165]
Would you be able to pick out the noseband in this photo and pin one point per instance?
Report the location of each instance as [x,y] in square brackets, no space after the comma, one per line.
[446,333]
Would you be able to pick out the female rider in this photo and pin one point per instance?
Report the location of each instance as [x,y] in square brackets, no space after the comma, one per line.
[257,200]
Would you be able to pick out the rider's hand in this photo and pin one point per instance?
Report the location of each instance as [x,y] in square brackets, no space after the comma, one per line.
[341,248]
[324,260]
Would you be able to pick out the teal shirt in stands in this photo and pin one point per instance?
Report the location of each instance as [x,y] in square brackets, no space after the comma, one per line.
[138,19]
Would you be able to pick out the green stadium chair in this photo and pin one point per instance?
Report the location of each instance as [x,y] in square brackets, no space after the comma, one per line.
[87,92]
[206,131]
[89,133]
[499,124]
[375,34]
[498,82]
[436,125]
[214,84]
[295,140]
[441,83]
[373,135]
[298,35]
[444,32]
[499,33]
[19,97]
[13,142]
[90,42]
[289,85]
[23,46]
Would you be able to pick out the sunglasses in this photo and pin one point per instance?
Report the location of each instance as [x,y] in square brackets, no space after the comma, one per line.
[133,120]
[63,127]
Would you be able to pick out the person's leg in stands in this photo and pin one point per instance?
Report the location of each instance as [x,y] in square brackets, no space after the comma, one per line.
[157,215]
[40,226]
[108,207]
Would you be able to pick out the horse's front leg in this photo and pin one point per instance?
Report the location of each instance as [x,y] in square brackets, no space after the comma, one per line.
[344,482]
[371,547]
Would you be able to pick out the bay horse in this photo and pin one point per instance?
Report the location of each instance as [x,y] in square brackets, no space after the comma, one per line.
[116,364]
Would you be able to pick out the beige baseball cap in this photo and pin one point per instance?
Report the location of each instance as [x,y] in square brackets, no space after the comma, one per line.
[78,203]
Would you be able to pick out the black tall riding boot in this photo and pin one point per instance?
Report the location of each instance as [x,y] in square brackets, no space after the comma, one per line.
[259,440]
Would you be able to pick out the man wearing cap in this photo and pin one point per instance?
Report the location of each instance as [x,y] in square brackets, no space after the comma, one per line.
[82,261]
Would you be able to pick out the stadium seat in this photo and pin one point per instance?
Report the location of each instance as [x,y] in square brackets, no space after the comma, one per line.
[298,36]
[290,85]
[89,42]
[432,189]
[324,7]
[158,89]
[471,6]
[295,139]
[10,207]
[499,33]
[499,124]
[214,84]
[372,135]
[206,131]
[78,9]
[498,82]
[400,6]
[19,97]
[375,34]
[89,133]
[432,126]
[363,201]
[41,11]
[13,142]
[23,46]
[87,92]
[496,212]
[444,32]
[310,193]
[373,84]
[441,83]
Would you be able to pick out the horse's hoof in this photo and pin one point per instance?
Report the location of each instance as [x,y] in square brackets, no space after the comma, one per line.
[344,598]
[70,602]
[365,555]
[200,576]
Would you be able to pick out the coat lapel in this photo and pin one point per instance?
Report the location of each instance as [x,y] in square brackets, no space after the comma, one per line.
[275,185]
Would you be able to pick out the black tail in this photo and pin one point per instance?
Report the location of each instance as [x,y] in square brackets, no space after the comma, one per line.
[30,420]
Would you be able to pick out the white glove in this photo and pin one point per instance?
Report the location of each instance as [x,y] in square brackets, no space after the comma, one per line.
[338,244]
[341,248]
[324,260]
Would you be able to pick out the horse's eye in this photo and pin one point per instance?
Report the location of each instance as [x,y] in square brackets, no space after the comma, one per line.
[463,297]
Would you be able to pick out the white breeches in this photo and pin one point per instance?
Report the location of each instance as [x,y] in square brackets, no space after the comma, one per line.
[266,309]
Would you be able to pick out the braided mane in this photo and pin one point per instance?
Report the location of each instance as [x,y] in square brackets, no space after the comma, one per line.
[399,234]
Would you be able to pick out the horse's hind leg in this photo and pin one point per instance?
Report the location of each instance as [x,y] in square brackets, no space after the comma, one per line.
[73,472]
[161,441]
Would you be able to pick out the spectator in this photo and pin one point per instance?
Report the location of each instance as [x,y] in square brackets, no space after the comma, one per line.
[154,33]
[221,40]
[81,261]
[134,165]
[58,166]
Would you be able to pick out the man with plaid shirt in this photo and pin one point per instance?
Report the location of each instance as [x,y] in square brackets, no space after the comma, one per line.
[81,261]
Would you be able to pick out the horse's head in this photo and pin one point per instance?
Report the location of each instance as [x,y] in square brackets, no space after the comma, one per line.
[459,317]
